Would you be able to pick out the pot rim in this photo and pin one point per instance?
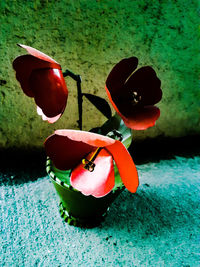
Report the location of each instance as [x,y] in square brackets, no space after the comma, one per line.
[53,177]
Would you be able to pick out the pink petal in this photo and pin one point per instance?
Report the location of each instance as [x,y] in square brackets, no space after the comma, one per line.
[45,118]
[125,165]
[89,138]
[99,182]
[36,53]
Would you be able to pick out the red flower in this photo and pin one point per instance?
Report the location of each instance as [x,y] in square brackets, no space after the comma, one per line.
[41,77]
[134,93]
[90,156]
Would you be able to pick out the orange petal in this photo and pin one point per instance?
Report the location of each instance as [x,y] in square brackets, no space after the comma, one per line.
[125,165]
[99,182]
[36,53]
[89,138]
[112,102]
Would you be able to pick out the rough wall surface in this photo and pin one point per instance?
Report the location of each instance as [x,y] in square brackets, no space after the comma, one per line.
[89,37]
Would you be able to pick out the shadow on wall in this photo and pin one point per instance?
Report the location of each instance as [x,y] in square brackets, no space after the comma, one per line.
[153,150]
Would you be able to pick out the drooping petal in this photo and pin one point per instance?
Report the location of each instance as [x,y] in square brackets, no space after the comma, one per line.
[24,65]
[65,152]
[125,165]
[50,91]
[120,73]
[143,118]
[99,182]
[67,148]
[36,53]
[89,138]
[146,84]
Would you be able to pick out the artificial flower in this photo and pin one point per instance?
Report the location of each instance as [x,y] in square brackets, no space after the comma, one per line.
[41,77]
[90,156]
[133,94]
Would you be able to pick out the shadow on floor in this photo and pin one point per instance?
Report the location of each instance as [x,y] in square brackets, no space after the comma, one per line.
[149,213]
[20,166]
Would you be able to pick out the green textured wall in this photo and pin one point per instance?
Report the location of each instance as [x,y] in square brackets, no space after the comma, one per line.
[89,37]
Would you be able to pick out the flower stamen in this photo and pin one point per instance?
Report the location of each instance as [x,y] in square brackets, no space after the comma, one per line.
[135,98]
[89,164]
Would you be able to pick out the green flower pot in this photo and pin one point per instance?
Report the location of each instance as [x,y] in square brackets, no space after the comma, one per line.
[76,208]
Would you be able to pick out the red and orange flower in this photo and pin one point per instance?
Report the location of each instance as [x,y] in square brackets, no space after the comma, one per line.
[90,156]
[41,77]
[133,94]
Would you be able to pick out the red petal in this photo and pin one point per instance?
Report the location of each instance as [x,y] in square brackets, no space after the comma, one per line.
[36,53]
[125,165]
[64,152]
[50,91]
[143,118]
[89,138]
[120,73]
[139,119]
[99,182]
[112,102]
[145,82]
[24,65]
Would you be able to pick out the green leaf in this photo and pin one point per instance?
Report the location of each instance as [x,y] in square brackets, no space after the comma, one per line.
[118,180]
[101,104]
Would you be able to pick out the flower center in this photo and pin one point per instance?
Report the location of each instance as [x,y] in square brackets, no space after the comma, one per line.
[135,98]
[89,164]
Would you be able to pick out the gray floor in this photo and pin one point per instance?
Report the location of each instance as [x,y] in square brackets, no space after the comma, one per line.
[157,226]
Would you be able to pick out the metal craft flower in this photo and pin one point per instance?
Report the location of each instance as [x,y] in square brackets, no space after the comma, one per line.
[90,156]
[41,77]
[134,93]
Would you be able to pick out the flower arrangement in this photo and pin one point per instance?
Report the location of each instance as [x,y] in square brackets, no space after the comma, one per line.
[96,165]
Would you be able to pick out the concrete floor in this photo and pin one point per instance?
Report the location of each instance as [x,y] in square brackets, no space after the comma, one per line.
[157,226]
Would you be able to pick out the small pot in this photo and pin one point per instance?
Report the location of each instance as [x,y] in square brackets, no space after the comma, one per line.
[76,208]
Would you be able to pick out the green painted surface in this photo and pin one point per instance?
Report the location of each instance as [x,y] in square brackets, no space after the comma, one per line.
[89,37]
